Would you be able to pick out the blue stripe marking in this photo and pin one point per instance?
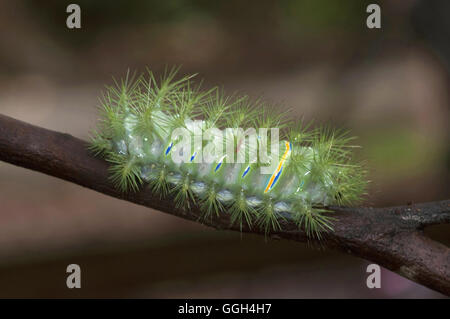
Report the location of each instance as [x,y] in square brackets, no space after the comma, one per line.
[276,178]
[218,166]
[193,156]
[169,148]
[246,171]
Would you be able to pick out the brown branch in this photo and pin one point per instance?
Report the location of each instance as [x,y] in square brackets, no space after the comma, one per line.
[391,237]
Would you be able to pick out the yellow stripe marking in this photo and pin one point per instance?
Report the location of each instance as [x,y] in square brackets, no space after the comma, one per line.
[280,165]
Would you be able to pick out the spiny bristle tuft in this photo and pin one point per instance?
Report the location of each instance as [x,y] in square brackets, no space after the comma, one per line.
[125,173]
[241,212]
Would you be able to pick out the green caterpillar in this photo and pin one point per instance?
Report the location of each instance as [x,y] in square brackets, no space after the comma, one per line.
[223,154]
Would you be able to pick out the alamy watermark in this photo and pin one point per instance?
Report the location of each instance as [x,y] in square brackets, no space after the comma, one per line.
[73,20]
[373,21]
[374,279]
[231,145]
[74,279]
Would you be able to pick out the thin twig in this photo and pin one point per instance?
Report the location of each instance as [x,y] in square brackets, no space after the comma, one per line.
[391,237]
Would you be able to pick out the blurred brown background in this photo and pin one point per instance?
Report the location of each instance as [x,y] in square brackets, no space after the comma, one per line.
[389,86]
